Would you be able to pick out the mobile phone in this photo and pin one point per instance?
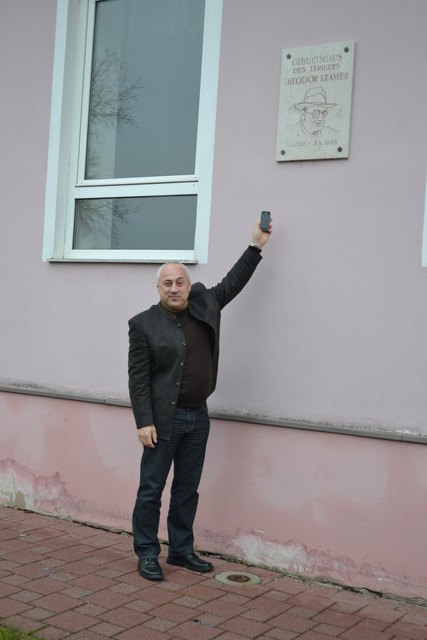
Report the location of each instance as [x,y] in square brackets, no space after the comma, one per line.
[265,220]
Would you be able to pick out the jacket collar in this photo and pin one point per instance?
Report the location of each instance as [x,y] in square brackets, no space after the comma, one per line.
[166,311]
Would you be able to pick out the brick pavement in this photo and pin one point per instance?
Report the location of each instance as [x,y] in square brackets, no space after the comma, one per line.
[62,579]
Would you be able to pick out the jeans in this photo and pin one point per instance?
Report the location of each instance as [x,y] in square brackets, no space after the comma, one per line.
[186,449]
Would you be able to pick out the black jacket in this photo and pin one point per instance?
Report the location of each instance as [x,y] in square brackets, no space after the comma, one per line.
[157,346]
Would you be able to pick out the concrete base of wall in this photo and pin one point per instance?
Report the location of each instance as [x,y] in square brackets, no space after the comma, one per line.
[343,509]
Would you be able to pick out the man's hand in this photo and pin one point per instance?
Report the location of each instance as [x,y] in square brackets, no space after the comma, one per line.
[148,436]
[260,237]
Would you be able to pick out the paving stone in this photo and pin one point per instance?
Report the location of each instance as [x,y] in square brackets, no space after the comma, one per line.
[258,614]
[187,601]
[9,607]
[408,630]
[72,621]
[292,587]
[44,585]
[125,589]
[245,627]
[25,596]
[234,598]
[337,619]
[70,554]
[107,629]
[94,582]
[268,604]
[7,565]
[182,576]
[379,611]
[37,613]
[155,595]
[191,630]
[291,623]
[32,571]
[360,632]
[92,610]
[21,623]
[220,607]
[108,599]
[228,635]
[311,600]
[160,624]
[202,592]
[24,556]
[52,633]
[140,605]
[86,634]
[67,580]
[78,567]
[58,602]
[143,633]
[14,579]
[125,617]
[173,612]
[7,589]
[312,635]
[328,630]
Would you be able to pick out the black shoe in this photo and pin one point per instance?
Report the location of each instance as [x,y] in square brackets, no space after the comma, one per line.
[190,561]
[149,568]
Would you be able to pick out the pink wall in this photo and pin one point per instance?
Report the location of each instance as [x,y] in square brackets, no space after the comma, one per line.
[347,509]
[341,289]
[340,297]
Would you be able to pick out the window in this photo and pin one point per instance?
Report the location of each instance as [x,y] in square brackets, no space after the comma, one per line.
[132,130]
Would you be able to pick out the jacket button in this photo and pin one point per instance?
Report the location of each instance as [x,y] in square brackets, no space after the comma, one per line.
[179,324]
[182,364]
[184,344]
[173,403]
[177,383]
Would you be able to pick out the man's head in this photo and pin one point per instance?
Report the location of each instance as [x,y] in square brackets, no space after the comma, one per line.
[174,285]
[314,110]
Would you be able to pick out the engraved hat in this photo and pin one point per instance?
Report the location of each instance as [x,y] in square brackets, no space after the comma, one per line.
[315,97]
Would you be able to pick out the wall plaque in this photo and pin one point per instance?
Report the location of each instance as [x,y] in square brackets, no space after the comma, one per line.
[315,102]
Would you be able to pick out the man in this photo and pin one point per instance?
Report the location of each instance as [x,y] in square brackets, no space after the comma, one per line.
[173,364]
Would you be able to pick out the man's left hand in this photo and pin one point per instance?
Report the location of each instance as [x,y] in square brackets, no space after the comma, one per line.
[260,237]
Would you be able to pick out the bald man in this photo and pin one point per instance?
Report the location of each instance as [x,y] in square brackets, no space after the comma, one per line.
[173,365]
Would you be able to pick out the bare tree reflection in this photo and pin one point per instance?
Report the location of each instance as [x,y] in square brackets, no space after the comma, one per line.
[112,94]
[113,99]
[99,223]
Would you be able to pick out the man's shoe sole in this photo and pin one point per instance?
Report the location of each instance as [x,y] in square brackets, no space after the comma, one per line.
[179,563]
[150,576]
[155,579]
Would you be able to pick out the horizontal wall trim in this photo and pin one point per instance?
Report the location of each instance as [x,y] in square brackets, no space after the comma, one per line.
[365,432]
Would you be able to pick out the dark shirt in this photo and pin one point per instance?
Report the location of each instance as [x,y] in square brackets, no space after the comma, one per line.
[196,379]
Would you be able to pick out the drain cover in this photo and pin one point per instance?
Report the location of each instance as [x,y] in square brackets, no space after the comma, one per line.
[237,578]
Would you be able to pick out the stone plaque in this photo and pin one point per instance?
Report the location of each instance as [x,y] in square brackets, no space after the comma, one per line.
[315,102]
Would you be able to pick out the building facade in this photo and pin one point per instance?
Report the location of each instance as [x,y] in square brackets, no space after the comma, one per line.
[135,133]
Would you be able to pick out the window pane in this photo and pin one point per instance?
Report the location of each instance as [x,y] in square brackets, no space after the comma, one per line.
[145,86]
[159,222]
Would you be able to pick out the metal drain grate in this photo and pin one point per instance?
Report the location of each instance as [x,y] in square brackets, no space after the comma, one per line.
[237,578]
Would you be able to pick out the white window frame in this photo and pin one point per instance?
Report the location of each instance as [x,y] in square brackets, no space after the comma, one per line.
[67,140]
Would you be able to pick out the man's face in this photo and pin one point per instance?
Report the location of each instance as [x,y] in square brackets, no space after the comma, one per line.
[174,287]
[314,120]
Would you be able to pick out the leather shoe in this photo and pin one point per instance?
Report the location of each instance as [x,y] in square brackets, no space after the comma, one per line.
[190,561]
[149,568]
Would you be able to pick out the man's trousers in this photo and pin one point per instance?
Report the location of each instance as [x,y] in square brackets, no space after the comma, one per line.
[186,449]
